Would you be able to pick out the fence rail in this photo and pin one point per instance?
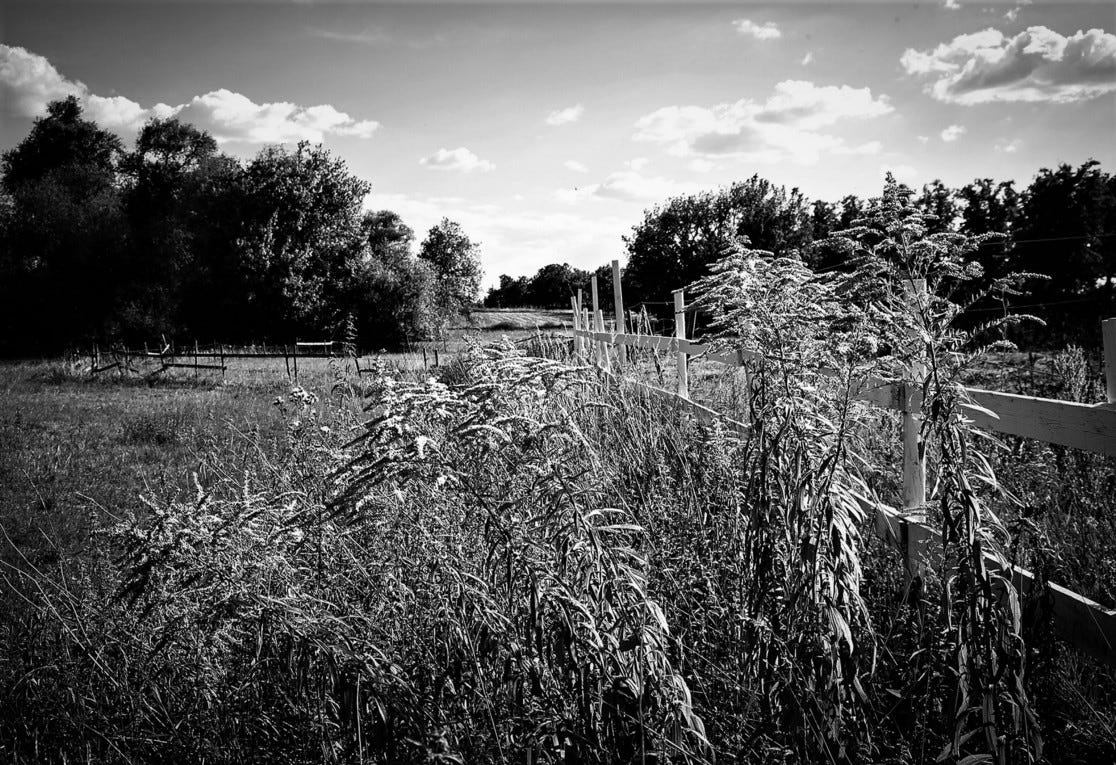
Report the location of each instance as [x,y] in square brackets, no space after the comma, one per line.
[1082,622]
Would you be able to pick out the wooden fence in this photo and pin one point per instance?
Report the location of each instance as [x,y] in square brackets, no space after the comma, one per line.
[1080,621]
[214,357]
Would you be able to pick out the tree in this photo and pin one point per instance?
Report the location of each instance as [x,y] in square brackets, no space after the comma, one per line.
[1066,230]
[938,206]
[183,206]
[79,155]
[455,261]
[303,240]
[552,285]
[677,241]
[397,302]
[511,293]
[64,235]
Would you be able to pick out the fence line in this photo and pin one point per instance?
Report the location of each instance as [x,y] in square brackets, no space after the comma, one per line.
[1082,622]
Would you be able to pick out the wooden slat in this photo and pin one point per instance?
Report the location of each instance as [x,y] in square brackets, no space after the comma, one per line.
[1083,623]
[1082,426]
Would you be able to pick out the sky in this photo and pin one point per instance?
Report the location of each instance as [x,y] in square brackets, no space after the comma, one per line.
[546,129]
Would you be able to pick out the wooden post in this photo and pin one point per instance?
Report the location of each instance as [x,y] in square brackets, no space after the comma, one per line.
[618,307]
[425,363]
[195,359]
[576,327]
[598,347]
[680,334]
[294,359]
[222,346]
[603,360]
[914,453]
[1108,331]
[287,360]
[436,361]
[914,450]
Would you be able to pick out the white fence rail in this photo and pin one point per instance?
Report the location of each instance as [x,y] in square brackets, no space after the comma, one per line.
[1080,621]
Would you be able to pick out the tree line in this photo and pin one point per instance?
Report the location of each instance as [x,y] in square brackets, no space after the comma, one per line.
[173,238]
[1061,229]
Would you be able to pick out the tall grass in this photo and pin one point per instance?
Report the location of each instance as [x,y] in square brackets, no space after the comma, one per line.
[525,560]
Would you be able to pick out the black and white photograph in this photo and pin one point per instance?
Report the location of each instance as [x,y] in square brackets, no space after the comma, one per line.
[528,382]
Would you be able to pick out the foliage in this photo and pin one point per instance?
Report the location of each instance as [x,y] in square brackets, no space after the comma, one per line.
[677,241]
[455,261]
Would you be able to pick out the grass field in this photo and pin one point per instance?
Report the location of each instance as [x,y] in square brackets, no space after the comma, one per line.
[264,607]
[76,447]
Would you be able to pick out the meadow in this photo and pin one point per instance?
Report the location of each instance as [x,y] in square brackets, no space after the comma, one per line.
[507,558]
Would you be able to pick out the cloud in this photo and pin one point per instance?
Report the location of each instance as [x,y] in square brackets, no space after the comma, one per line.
[1008,147]
[565,116]
[788,125]
[953,5]
[700,165]
[808,58]
[1011,13]
[629,185]
[952,133]
[577,167]
[1037,64]
[29,81]
[460,160]
[766,31]
[637,164]
[512,240]
[903,173]
[923,138]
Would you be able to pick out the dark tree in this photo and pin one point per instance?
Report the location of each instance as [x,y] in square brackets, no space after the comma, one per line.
[938,206]
[63,233]
[303,243]
[455,261]
[677,241]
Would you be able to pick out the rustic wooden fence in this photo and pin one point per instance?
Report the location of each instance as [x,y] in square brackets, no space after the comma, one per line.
[208,358]
[1080,621]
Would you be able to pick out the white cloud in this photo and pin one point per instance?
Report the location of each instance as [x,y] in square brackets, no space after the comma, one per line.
[903,173]
[629,185]
[565,116]
[514,241]
[701,165]
[29,81]
[808,58]
[786,126]
[749,28]
[577,167]
[459,160]
[1037,64]
[952,133]
[953,5]
[1008,147]
[632,186]
[637,164]
[1011,13]
[923,138]
[231,116]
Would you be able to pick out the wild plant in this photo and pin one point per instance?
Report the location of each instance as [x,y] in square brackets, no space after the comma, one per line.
[824,337]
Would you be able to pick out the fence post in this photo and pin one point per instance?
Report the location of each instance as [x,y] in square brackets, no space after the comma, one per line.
[294,359]
[914,455]
[1108,331]
[598,346]
[603,360]
[576,327]
[618,306]
[680,335]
